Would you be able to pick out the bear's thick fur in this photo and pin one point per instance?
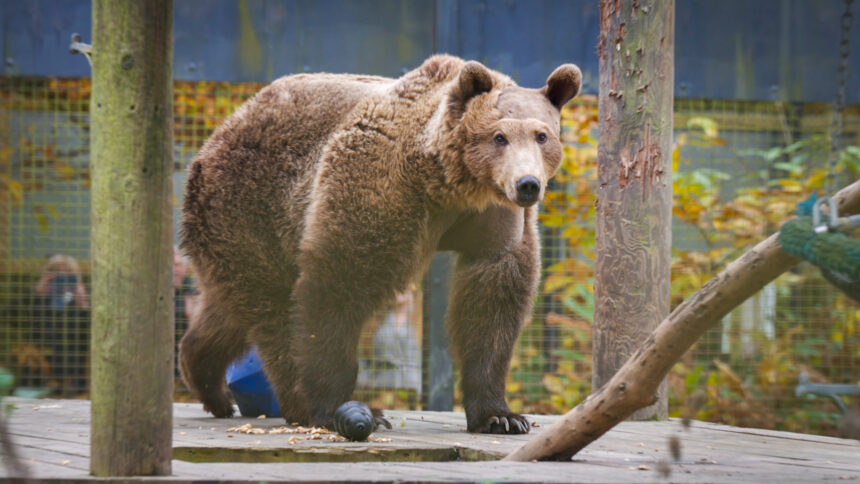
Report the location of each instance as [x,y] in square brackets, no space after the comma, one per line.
[325,194]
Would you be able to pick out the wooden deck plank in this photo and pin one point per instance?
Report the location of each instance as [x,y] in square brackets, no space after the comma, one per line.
[66,460]
[53,438]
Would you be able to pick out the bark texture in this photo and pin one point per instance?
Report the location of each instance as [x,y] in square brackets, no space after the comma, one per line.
[634,193]
[132,237]
[635,385]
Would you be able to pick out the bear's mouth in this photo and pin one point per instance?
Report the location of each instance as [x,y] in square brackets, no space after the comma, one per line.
[507,199]
[527,203]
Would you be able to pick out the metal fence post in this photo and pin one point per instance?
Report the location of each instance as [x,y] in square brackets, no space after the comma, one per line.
[438,369]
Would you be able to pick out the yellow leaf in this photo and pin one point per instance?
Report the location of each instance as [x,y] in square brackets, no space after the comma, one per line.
[553,384]
[557,281]
[17,191]
[565,366]
[64,170]
[5,153]
[552,220]
[709,126]
[42,220]
[558,266]
[676,158]
[52,210]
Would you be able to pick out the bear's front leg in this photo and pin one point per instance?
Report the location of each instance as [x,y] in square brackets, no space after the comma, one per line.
[491,297]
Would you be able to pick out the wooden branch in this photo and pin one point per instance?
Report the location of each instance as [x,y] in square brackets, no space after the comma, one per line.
[635,384]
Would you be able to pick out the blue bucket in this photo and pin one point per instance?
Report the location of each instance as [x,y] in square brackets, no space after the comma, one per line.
[251,388]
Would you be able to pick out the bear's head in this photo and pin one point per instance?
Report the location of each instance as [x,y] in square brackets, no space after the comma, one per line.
[509,135]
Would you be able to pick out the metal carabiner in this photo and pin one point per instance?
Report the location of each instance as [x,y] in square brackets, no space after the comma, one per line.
[834,222]
[830,226]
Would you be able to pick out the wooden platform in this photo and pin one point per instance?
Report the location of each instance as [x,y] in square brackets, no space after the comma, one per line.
[52,437]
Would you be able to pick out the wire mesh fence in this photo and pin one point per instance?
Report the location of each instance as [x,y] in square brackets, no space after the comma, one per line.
[740,167]
[749,164]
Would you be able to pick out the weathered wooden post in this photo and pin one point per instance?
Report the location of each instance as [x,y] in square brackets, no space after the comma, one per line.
[634,193]
[132,237]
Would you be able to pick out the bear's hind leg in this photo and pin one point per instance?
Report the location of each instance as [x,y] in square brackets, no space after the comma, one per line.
[208,347]
[274,339]
[330,314]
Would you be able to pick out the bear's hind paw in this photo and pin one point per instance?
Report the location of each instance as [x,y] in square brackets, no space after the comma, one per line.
[220,408]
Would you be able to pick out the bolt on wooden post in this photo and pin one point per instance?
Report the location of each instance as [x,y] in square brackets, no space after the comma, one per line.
[634,192]
[132,238]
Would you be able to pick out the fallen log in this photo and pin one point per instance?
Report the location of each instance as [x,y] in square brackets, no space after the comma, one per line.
[635,384]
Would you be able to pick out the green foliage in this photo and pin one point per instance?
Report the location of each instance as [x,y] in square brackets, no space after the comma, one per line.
[7,380]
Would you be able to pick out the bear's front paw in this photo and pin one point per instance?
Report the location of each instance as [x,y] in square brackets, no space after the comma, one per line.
[504,423]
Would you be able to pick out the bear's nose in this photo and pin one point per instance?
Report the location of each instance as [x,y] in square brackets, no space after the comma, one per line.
[528,189]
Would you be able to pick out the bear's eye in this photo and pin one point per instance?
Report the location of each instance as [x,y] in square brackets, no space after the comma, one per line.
[500,139]
[541,138]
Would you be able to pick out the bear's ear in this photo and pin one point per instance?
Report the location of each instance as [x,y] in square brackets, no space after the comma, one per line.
[562,85]
[474,79]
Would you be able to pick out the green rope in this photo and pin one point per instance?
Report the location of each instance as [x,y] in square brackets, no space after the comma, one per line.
[836,254]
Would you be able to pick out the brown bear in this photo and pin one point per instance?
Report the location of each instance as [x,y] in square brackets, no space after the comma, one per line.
[324,195]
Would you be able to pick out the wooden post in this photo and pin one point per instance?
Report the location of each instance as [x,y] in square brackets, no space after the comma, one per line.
[634,193]
[132,237]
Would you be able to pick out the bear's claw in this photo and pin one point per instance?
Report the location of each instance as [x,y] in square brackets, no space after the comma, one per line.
[504,424]
[380,419]
[382,422]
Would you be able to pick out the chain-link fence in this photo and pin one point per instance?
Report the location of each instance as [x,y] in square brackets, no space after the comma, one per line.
[741,166]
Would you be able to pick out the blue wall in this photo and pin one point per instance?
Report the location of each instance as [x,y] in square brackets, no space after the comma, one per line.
[745,49]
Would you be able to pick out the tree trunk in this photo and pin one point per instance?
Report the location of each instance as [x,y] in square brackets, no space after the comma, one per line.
[634,194]
[636,383]
[132,237]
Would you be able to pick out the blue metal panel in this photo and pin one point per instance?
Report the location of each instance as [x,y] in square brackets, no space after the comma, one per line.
[258,40]
[724,49]
[525,40]
[763,49]
[237,40]
[36,36]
